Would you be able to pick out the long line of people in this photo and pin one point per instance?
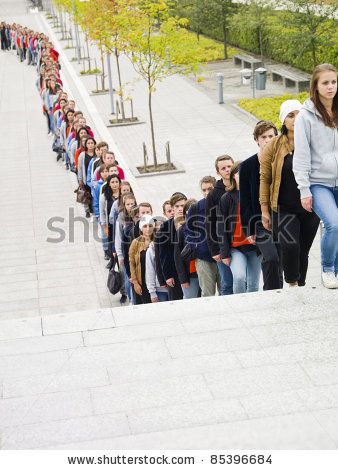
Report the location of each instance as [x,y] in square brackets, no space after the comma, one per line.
[260,216]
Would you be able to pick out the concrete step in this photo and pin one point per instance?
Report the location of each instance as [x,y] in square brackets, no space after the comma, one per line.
[218,370]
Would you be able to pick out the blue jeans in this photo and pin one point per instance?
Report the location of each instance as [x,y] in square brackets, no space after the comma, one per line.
[51,121]
[191,292]
[162,296]
[325,205]
[226,279]
[128,287]
[246,269]
[104,239]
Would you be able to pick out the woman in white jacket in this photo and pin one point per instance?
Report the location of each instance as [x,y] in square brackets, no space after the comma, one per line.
[315,163]
[157,292]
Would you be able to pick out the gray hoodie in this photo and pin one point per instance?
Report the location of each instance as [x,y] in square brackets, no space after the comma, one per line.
[315,159]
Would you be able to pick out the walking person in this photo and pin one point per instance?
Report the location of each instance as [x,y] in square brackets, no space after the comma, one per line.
[83,163]
[195,235]
[137,259]
[293,226]
[50,98]
[107,194]
[165,240]
[65,131]
[125,218]
[238,251]
[186,265]
[223,165]
[316,163]
[251,215]
[156,285]
[3,34]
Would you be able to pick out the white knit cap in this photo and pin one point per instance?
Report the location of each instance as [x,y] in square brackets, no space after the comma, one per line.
[287,107]
[146,220]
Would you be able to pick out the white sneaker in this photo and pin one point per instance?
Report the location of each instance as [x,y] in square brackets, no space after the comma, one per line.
[330,281]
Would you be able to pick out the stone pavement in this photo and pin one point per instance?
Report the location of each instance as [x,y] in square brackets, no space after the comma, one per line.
[241,372]
[249,371]
[233,89]
[38,277]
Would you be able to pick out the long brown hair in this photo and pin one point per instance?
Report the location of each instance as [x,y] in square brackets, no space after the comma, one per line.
[329,121]
[234,171]
[126,196]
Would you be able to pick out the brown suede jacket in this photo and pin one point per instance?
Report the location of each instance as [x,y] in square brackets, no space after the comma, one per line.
[137,245]
[271,165]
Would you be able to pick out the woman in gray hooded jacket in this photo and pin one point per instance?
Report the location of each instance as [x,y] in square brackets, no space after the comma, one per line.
[315,163]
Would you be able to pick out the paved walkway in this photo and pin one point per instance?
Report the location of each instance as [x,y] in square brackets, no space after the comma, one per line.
[38,277]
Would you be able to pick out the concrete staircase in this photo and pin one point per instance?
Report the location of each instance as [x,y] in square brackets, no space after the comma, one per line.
[245,371]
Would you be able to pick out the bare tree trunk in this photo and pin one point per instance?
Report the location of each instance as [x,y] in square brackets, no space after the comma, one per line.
[103,71]
[117,57]
[224,28]
[260,40]
[314,53]
[152,125]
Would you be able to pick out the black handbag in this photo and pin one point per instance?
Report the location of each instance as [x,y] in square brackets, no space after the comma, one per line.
[57,147]
[114,281]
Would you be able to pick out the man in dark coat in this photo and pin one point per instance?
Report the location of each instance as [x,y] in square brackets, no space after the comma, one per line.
[165,240]
[250,209]
[223,165]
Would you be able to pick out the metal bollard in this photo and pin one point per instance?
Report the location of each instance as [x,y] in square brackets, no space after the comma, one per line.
[220,78]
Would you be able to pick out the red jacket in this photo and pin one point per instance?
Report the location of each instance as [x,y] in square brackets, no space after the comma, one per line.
[54,55]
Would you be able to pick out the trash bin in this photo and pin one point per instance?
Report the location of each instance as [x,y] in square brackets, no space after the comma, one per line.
[246,76]
[260,78]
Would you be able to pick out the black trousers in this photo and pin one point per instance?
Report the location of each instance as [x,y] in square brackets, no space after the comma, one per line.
[144,298]
[295,233]
[175,293]
[4,44]
[272,269]
[48,121]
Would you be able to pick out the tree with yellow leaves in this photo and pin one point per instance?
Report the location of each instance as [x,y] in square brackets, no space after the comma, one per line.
[158,46]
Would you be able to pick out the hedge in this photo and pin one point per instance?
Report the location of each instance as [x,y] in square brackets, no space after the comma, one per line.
[268,108]
[278,38]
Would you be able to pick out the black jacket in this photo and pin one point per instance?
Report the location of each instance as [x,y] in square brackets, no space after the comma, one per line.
[227,210]
[166,239]
[158,267]
[212,219]
[250,208]
[126,239]
[136,232]
[182,267]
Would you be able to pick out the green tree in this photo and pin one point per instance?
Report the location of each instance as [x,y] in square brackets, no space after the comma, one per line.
[158,46]
[255,14]
[196,11]
[104,20]
[217,17]
[314,24]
